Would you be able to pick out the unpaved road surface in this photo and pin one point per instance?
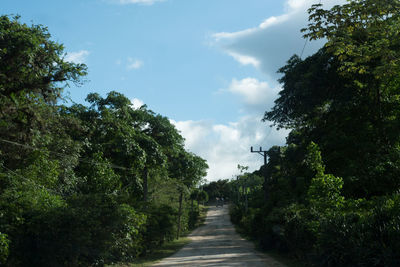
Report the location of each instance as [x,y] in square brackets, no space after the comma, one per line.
[217,244]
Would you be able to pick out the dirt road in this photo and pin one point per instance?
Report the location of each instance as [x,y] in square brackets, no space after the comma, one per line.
[217,244]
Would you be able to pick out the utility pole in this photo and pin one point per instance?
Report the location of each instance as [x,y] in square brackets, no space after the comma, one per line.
[264,154]
[261,152]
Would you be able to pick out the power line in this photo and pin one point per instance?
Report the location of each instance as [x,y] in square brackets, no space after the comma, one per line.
[302,51]
[306,41]
[262,153]
[90,161]
[28,180]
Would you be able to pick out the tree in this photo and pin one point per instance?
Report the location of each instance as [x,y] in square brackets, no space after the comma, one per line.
[33,73]
[166,142]
[73,178]
[32,63]
[311,89]
[345,97]
[194,195]
[202,197]
[3,248]
[187,169]
[363,36]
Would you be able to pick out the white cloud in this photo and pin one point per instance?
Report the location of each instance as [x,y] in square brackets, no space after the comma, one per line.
[77,57]
[224,146]
[270,44]
[267,47]
[134,64]
[194,131]
[254,92]
[221,36]
[143,2]
[297,4]
[137,103]
[245,60]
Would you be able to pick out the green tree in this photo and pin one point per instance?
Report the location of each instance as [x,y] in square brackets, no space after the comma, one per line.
[138,139]
[188,169]
[33,73]
[324,192]
[345,98]
[363,35]
[73,178]
[4,244]
[220,188]
[324,106]
[202,197]
[32,63]
[194,195]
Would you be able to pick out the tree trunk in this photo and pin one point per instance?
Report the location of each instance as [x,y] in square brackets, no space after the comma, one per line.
[145,188]
[246,203]
[265,184]
[179,214]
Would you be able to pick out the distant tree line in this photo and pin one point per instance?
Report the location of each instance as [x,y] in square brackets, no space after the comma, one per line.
[331,195]
[83,185]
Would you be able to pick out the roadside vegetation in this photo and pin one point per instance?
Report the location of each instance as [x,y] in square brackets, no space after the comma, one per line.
[103,182]
[165,250]
[83,185]
[331,195]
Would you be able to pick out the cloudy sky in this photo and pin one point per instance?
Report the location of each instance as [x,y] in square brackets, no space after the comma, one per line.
[208,65]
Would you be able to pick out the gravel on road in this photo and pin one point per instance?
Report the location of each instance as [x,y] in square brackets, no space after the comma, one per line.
[217,244]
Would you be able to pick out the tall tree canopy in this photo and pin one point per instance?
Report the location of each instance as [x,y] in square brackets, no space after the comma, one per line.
[80,185]
[333,190]
[346,96]
[33,73]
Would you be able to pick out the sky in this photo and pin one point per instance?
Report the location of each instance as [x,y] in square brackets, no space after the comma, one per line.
[210,66]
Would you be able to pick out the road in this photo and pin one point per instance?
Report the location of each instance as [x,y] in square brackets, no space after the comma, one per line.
[217,244]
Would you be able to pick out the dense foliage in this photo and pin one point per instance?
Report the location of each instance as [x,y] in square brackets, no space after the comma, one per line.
[331,195]
[82,185]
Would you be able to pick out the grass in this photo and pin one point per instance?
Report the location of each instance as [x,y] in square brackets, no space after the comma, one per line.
[166,250]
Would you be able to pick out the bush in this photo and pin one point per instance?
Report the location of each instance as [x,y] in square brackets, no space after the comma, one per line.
[128,241]
[300,230]
[193,218]
[86,230]
[4,243]
[160,226]
[368,238]
[236,214]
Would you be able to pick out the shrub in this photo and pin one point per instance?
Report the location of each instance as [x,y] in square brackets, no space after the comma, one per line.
[236,214]
[193,218]
[362,237]
[4,243]
[300,230]
[160,226]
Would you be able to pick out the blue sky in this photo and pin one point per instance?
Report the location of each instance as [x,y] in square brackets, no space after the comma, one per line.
[208,65]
